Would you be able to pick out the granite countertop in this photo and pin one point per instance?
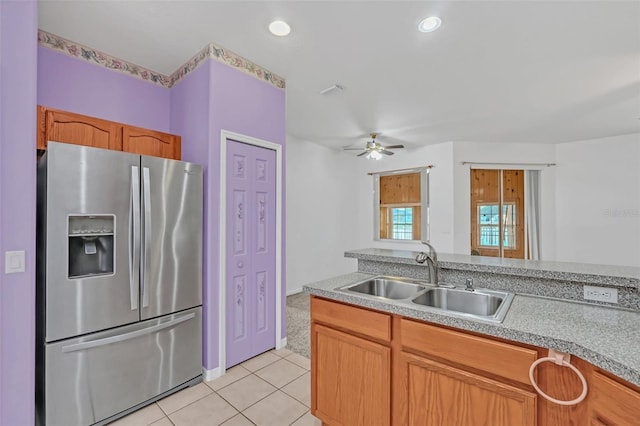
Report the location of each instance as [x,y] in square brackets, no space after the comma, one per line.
[606,337]
[621,276]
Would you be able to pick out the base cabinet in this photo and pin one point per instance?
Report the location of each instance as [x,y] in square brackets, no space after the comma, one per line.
[612,403]
[438,395]
[352,378]
[373,368]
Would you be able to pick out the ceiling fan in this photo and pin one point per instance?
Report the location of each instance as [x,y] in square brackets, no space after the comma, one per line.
[374,149]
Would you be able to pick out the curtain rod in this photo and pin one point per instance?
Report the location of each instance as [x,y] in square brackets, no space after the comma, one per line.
[429,167]
[509,164]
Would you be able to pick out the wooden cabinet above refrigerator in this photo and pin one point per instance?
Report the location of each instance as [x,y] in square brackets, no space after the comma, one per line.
[68,127]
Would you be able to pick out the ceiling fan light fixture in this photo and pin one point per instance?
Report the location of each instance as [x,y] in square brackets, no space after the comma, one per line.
[429,24]
[375,155]
[373,149]
[279,28]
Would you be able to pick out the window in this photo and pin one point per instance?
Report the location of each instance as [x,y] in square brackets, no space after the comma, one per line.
[402,223]
[401,205]
[489,225]
[497,213]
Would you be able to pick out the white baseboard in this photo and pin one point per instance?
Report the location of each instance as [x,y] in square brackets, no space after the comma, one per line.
[209,375]
[283,344]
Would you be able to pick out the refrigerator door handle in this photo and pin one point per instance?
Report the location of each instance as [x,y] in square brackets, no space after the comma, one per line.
[126,336]
[146,203]
[134,238]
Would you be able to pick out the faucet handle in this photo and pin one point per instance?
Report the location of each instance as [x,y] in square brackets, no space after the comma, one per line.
[421,257]
[469,284]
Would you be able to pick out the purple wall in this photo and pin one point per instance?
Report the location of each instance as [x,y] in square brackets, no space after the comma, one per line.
[190,100]
[75,85]
[215,97]
[242,104]
[18,56]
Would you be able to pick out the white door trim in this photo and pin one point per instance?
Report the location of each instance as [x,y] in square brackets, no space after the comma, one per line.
[225,135]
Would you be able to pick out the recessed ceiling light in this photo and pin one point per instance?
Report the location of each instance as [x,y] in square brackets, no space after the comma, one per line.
[429,24]
[279,28]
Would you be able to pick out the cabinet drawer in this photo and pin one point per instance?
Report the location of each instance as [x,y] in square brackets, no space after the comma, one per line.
[613,403]
[90,378]
[357,320]
[502,359]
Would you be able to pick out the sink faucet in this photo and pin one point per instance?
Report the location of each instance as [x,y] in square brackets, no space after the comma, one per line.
[432,261]
[469,285]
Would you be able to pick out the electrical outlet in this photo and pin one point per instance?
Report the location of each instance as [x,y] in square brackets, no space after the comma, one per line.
[601,294]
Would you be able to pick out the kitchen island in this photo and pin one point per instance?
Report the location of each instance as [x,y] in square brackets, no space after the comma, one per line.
[409,341]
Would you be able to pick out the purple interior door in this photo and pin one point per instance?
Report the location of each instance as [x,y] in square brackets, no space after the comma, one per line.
[251,258]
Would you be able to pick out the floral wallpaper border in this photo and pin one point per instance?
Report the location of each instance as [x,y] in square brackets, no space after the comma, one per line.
[88,54]
[226,56]
[210,51]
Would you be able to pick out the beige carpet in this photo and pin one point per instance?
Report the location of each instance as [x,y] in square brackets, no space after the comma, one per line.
[298,332]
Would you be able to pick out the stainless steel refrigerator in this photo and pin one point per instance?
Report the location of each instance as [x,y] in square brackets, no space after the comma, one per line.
[119,282]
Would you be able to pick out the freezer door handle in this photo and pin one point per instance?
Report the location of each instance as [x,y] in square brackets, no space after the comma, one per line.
[126,336]
[134,238]
[146,249]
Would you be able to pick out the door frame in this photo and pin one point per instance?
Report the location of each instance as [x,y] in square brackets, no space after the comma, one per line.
[225,136]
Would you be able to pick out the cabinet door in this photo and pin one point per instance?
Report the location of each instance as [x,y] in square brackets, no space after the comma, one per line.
[437,394]
[149,142]
[563,384]
[612,403]
[351,379]
[60,126]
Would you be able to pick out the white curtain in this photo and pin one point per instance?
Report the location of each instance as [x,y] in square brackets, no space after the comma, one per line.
[532,214]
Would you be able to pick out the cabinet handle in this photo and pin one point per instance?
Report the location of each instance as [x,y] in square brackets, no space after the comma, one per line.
[560,359]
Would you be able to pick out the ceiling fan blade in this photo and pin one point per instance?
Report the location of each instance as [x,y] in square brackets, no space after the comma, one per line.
[363,153]
[352,149]
[393,146]
[384,151]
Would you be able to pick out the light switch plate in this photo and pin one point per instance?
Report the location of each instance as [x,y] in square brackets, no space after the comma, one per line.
[13,262]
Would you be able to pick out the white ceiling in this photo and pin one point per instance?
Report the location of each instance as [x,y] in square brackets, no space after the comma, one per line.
[496,71]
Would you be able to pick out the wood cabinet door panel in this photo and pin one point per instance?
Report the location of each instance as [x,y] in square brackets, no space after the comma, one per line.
[78,129]
[351,379]
[562,383]
[441,395]
[149,142]
[612,403]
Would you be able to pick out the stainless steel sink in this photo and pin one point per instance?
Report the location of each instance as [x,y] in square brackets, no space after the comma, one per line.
[487,304]
[388,288]
[483,304]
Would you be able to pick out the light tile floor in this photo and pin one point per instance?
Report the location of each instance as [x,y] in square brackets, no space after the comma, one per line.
[272,389]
